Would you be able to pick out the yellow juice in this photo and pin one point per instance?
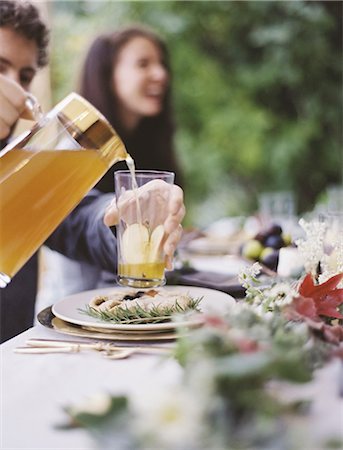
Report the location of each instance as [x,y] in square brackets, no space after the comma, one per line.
[152,271]
[143,271]
[37,191]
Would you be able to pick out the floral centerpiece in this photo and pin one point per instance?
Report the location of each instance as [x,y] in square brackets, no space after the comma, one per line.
[280,333]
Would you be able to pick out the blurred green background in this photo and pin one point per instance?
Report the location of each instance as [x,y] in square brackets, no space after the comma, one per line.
[257,92]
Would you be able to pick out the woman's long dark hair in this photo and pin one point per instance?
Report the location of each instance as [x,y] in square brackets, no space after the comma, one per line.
[151,142]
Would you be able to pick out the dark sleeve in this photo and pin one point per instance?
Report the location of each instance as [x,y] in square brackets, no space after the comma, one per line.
[84,237]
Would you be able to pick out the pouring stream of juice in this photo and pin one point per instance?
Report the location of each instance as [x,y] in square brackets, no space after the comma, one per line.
[131,166]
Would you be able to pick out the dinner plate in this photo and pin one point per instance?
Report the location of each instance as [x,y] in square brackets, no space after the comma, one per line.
[75,330]
[70,309]
[47,319]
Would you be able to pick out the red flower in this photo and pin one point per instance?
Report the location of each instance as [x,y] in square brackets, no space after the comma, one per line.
[325,298]
[303,307]
[247,345]
[215,322]
[333,334]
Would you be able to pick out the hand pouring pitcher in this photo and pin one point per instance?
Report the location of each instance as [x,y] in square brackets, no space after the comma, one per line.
[45,173]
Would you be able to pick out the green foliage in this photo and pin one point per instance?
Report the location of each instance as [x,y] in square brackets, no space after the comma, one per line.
[116,406]
[257,92]
[137,314]
[232,393]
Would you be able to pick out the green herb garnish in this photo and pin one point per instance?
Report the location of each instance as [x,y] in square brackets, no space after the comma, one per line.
[138,315]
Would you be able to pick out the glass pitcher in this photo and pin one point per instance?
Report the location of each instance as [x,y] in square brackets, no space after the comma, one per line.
[45,173]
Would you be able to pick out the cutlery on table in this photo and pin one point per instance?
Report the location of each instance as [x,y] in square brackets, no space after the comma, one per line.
[121,354]
[40,350]
[37,345]
[117,354]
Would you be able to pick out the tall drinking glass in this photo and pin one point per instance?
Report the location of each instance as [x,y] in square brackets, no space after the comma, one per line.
[46,172]
[140,231]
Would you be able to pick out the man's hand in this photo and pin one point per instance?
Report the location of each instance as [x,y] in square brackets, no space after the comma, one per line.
[12,101]
[169,209]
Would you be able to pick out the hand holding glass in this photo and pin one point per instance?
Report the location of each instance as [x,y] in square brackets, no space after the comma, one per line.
[146,222]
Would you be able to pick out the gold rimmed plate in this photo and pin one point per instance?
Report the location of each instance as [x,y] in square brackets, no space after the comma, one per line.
[128,333]
[48,319]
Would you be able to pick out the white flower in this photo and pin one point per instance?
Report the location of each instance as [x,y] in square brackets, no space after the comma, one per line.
[312,248]
[98,404]
[248,273]
[324,245]
[282,294]
[332,263]
[171,419]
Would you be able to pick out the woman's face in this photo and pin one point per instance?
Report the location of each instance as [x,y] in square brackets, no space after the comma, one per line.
[140,80]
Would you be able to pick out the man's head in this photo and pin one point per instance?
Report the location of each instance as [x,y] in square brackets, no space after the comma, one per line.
[23,41]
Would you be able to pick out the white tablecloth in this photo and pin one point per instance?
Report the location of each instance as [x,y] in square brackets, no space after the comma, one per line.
[35,388]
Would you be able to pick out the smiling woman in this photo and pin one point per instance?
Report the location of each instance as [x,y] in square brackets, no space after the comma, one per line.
[127,76]
[140,81]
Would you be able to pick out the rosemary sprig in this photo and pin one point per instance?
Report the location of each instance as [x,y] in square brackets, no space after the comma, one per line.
[138,315]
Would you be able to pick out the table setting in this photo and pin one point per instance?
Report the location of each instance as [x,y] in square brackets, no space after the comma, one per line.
[158,290]
[262,369]
[212,354]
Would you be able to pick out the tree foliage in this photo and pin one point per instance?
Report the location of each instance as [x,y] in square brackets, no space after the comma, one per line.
[257,92]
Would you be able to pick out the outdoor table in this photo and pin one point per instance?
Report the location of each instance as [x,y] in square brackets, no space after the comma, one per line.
[36,388]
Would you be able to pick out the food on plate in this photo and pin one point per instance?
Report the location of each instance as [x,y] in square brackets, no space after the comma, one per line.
[153,306]
[144,299]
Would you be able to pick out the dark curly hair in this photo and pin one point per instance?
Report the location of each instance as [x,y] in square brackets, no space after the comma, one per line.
[24,18]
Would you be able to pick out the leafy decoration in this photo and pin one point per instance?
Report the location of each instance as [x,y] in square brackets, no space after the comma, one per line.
[136,314]
[98,409]
[233,369]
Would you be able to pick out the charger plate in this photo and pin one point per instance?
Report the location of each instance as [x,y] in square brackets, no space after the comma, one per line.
[128,333]
[48,319]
